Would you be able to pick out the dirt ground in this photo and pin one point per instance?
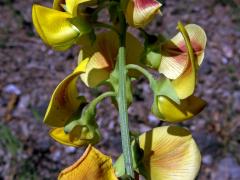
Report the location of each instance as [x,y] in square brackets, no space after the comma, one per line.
[30,71]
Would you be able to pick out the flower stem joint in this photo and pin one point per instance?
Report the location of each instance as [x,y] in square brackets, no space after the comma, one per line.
[114,58]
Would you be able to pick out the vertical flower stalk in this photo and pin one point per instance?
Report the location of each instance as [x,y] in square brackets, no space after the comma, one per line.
[122,102]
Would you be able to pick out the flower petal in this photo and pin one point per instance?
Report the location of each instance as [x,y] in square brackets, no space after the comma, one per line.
[185,84]
[77,137]
[140,12]
[57,4]
[170,153]
[103,55]
[72,5]
[54,28]
[175,54]
[187,108]
[97,70]
[64,101]
[92,165]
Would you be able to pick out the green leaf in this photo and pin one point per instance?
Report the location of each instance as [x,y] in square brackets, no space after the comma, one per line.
[8,140]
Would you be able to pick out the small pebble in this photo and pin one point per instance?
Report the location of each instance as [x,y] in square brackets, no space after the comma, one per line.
[70,150]
[207,159]
[56,156]
[153,119]
[11,88]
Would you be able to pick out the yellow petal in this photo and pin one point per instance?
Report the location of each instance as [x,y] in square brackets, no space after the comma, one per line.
[72,5]
[170,153]
[64,101]
[103,56]
[57,4]
[185,84]
[77,137]
[97,70]
[134,51]
[93,165]
[187,108]
[175,54]
[140,12]
[54,28]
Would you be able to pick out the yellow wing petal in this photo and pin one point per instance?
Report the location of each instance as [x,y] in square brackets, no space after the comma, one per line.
[76,138]
[93,165]
[175,54]
[170,153]
[173,112]
[98,70]
[54,28]
[64,101]
[140,12]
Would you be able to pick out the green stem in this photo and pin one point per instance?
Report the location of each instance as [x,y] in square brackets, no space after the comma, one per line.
[95,101]
[88,114]
[122,103]
[142,70]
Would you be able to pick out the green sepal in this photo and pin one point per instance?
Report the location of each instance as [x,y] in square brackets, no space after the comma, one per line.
[85,29]
[162,87]
[137,154]
[81,24]
[85,120]
[151,58]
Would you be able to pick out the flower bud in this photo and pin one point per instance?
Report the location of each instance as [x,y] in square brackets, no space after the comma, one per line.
[140,12]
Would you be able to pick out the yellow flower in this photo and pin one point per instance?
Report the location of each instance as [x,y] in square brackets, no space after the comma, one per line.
[93,165]
[176,61]
[169,153]
[173,112]
[103,55]
[57,28]
[179,60]
[140,12]
[63,107]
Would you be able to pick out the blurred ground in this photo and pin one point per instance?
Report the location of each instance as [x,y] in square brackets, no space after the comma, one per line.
[29,72]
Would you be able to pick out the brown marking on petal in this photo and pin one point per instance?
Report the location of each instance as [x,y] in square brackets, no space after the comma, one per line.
[109,52]
[197,48]
[62,96]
